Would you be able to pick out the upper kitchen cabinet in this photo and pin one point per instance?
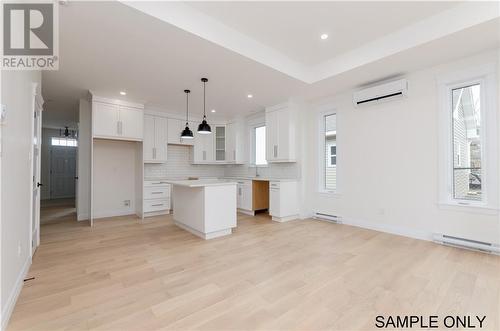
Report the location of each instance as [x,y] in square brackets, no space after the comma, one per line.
[175,128]
[203,150]
[155,139]
[115,119]
[235,142]
[281,122]
[220,143]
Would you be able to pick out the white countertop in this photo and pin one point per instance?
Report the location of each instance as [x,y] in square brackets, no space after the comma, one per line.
[201,182]
[263,179]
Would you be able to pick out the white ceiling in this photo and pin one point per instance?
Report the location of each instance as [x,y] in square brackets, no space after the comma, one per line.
[294,28]
[108,47]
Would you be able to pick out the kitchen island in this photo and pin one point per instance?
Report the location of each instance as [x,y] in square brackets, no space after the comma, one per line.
[206,208]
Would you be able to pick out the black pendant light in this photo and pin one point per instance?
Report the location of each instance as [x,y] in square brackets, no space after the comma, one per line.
[204,128]
[187,133]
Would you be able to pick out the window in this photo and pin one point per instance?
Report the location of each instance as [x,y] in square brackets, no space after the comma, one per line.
[328,143]
[332,156]
[466,135]
[467,139]
[260,145]
[67,142]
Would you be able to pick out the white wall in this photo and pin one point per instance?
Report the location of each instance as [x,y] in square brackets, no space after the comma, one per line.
[17,95]
[83,190]
[388,163]
[115,171]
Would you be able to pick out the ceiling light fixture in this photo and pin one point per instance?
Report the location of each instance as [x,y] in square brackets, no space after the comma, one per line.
[213,110]
[324,36]
[123,93]
[204,128]
[187,133]
[250,96]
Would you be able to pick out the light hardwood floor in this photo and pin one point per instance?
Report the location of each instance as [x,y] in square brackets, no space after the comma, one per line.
[300,275]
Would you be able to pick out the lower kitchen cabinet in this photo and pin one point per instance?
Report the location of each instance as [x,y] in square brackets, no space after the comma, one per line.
[283,200]
[244,198]
[156,198]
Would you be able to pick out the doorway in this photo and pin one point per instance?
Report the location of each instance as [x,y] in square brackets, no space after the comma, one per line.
[59,172]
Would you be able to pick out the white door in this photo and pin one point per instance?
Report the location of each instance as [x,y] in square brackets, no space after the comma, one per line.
[105,119]
[37,142]
[62,172]
[131,123]
[149,138]
[161,137]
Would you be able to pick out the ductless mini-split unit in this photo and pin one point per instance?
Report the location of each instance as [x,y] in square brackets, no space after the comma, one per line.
[381,92]
[466,243]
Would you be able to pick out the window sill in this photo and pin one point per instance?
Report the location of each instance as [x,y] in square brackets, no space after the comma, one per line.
[468,208]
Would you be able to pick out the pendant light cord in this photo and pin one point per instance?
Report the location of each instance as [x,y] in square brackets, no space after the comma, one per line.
[187,107]
[204,99]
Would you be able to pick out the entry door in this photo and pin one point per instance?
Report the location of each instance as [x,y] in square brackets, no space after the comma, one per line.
[62,172]
[35,184]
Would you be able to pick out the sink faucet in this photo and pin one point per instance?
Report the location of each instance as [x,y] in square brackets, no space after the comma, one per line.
[257,171]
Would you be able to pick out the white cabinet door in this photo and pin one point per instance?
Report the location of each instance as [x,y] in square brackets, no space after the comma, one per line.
[239,197]
[231,142]
[131,123]
[220,143]
[283,138]
[272,134]
[161,139]
[148,145]
[105,119]
[246,202]
[203,148]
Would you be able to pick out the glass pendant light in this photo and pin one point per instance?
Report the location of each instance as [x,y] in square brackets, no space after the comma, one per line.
[204,128]
[187,133]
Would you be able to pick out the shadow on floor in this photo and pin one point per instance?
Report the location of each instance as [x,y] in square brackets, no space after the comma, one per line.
[57,210]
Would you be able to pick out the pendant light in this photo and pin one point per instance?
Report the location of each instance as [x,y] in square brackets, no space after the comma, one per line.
[187,133]
[204,128]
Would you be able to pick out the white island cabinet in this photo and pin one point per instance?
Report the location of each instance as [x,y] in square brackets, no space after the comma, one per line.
[206,208]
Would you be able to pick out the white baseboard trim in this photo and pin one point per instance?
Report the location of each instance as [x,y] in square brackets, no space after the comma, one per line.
[246,212]
[392,229]
[8,308]
[113,213]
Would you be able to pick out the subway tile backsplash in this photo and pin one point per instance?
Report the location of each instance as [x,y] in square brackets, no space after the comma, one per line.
[178,166]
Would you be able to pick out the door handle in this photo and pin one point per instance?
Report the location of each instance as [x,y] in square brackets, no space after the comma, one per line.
[39,184]
[76,177]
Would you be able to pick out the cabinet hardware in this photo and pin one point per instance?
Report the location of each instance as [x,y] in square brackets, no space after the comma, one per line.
[157,205]
[156,192]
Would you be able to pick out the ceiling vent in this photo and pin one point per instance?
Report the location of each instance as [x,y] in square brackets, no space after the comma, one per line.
[382,92]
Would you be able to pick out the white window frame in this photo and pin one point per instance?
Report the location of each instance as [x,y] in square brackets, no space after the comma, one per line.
[485,76]
[323,112]
[252,138]
[63,139]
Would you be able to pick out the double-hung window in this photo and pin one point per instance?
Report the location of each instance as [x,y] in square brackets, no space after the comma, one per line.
[468,139]
[259,145]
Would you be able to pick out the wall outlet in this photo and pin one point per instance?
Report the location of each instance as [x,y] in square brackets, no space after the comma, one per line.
[126,203]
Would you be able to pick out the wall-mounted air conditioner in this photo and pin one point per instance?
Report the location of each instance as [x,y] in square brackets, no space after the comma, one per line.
[381,92]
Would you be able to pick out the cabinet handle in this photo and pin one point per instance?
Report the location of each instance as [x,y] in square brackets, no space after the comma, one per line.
[118,127]
[156,192]
[234,155]
[275,151]
[154,153]
[157,205]
[239,191]
[204,155]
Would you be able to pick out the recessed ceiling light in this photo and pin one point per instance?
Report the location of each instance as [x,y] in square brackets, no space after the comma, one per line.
[213,110]
[123,93]
[324,36]
[250,96]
